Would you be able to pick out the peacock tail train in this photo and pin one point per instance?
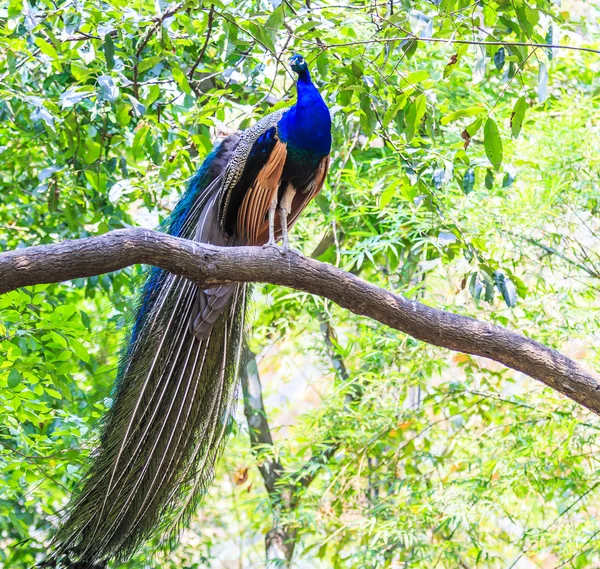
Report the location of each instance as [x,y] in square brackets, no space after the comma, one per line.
[177,377]
[163,434]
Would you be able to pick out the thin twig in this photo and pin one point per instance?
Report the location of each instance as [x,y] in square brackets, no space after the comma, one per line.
[412,37]
[211,18]
[157,23]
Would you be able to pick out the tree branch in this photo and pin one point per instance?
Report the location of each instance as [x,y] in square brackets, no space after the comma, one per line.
[412,37]
[211,19]
[157,22]
[258,425]
[280,540]
[208,266]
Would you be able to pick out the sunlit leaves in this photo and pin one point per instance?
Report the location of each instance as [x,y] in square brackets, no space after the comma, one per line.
[462,113]
[492,143]
[414,115]
[518,116]
[72,96]
[181,79]
[46,47]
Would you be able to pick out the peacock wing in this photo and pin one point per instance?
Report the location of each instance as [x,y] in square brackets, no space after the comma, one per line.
[301,199]
[254,150]
[249,180]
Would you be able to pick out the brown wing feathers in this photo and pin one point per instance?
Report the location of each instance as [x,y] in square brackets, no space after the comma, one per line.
[301,200]
[258,198]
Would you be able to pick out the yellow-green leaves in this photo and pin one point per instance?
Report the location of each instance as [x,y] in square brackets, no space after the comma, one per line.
[46,47]
[462,113]
[266,33]
[386,196]
[517,117]
[181,79]
[368,120]
[414,115]
[492,143]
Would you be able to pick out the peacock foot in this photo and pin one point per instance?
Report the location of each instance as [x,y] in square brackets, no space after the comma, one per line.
[273,244]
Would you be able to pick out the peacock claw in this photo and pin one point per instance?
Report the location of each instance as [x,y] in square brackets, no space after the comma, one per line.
[273,245]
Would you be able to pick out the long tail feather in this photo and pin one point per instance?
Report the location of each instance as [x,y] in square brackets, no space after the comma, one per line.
[172,404]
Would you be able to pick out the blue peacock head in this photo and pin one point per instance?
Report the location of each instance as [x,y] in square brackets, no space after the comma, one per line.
[298,64]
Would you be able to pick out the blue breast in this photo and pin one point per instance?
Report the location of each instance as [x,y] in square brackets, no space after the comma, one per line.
[307,125]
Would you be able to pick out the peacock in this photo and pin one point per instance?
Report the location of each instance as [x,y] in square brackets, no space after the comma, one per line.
[176,381]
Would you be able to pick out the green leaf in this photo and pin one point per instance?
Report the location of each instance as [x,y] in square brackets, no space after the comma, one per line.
[181,79]
[80,350]
[357,68]
[416,77]
[500,58]
[262,35]
[92,151]
[506,288]
[492,143]
[368,120]
[416,111]
[517,117]
[80,72]
[469,112]
[53,393]
[149,63]
[409,47]
[386,196]
[509,176]
[488,283]
[393,109]
[489,179]
[46,48]
[59,339]
[323,64]
[474,127]
[523,20]
[549,40]
[323,203]
[14,378]
[475,286]
[274,23]
[468,181]
[109,51]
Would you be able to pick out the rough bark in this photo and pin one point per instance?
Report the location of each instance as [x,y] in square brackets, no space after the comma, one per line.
[258,425]
[280,540]
[207,265]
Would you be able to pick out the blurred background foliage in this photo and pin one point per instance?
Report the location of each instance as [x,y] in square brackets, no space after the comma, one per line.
[465,174]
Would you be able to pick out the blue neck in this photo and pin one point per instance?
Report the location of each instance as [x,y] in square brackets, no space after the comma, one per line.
[307,125]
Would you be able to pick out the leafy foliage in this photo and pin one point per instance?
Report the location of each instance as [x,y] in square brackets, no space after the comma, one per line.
[465,174]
